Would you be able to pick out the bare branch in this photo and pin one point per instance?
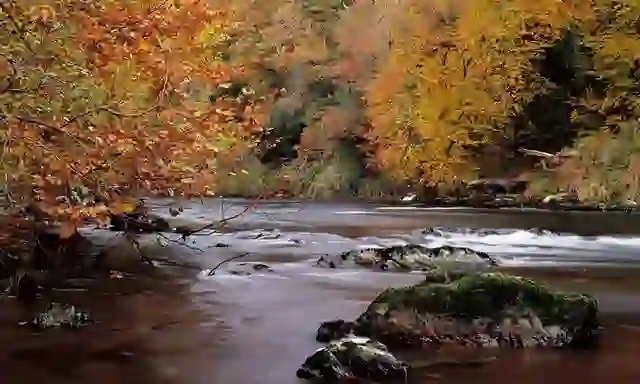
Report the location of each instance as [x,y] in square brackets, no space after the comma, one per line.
[181,243]
[213,270]
[215,225]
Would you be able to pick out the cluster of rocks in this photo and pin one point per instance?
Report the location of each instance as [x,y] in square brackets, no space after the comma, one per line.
[473,310]
[409,257]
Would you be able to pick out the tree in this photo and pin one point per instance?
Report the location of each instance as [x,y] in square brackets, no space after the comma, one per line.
[456,74]
[102,101]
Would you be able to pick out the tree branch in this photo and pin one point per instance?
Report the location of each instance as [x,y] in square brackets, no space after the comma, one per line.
[215,225]
[213,270]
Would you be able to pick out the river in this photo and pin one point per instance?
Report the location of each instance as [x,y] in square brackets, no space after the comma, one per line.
[178,325]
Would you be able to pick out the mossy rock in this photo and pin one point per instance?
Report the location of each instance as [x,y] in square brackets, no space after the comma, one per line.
[353,357]
[480,309]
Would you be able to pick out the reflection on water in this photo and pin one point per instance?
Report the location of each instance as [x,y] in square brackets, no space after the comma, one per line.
[185,327]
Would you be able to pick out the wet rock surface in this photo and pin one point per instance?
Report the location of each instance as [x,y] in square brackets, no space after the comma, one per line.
[479,310]
[59,315]
[411,257]
[353,358]
[247,269]
[471,310]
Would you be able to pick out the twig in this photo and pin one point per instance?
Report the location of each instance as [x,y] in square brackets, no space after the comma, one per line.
[181,243]
[213,270]
[217,224]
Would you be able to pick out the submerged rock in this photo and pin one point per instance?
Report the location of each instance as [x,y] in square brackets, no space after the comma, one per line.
[58,315]
[247,269]
[350,358]
[476,310]
[410,257]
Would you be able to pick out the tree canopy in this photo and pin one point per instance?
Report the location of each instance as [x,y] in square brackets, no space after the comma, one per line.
[100,101]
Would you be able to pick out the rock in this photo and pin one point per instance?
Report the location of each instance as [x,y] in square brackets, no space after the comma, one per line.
[353,358]
[334,330]
[498,186]
[411,257]
[139,222]
[58,315]
[239,273]
[480,310]
[52,251]
[121,256]
[410,197]
[247,269]
[447,232]
[561,198]
[624,205]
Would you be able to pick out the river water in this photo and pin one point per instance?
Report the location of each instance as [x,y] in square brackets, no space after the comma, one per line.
[178,325]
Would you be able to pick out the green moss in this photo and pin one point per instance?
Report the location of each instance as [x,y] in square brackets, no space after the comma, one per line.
[355,357]
[486,295]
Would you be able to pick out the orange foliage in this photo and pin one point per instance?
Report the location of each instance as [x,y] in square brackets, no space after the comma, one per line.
[111,99]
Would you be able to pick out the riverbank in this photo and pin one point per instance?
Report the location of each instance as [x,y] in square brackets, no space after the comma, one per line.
[557,202]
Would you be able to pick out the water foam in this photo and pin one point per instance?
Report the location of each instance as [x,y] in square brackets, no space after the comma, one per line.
[538,247]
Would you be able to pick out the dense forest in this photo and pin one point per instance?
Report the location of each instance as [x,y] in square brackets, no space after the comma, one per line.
[104,100]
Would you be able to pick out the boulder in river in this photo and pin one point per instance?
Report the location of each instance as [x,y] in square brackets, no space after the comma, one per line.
[350,358]
[410,257]
[479,310]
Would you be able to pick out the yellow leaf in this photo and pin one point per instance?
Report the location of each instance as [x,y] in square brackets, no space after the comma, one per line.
[123,207]
[144,46]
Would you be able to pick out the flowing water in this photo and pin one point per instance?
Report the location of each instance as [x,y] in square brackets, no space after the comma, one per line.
[182,326]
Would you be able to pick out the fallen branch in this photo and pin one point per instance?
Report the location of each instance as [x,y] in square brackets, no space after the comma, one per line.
[213,270]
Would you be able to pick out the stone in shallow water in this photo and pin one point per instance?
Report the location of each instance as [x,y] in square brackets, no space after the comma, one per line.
[58,315]
[334,330]
[410,257]
[353,357]
[479,310]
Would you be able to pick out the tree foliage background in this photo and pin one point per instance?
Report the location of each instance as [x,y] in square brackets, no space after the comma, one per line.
[101,101]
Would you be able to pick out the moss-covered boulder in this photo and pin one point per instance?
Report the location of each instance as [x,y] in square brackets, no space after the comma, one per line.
[353,357]
[410,257]
[481,309]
